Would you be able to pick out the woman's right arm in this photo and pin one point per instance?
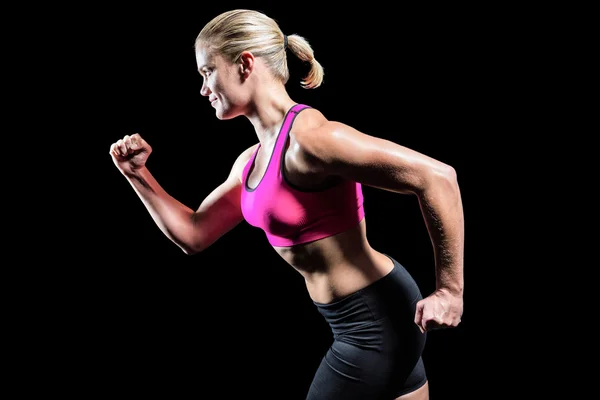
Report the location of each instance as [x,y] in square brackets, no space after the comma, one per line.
[193,231]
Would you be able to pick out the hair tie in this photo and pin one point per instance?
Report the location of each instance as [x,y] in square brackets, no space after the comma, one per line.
[285,42]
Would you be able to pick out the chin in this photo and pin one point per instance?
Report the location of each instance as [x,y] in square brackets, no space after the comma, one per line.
[227,114]
[224,117]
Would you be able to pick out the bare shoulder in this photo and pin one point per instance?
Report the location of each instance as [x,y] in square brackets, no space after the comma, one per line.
[335,147]
[309,119]
[316,133]
[307,127]
[240,162]
[317,138]
[317,130]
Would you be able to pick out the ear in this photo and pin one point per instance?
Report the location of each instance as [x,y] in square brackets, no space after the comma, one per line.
[246,64]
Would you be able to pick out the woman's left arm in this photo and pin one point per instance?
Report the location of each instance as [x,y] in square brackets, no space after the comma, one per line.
[338,149]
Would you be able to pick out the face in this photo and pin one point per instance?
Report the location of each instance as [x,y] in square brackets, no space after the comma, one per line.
[221,84]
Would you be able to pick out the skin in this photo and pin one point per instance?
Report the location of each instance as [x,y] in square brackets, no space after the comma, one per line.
[320,152]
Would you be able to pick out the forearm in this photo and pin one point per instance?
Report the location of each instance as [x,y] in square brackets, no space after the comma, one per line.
[442,209]
[174,219]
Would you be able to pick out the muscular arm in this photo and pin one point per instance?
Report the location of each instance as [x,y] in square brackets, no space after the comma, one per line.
[335,148]
[193,231]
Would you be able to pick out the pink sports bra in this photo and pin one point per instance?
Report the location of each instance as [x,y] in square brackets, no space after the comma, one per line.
[289,215]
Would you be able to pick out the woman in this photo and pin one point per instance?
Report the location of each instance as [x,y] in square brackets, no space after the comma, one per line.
[302,185]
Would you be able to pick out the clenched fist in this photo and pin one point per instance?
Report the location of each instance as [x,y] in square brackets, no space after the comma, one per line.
[130,153]
[441,309]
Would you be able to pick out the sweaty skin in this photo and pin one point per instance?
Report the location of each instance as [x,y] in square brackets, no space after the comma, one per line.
[320,152]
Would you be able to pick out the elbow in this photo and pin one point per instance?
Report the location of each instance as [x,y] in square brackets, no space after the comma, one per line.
[189,251]
[448,174]
[442,171]
[440,177]
[446,180]
[190,248]
[190,240]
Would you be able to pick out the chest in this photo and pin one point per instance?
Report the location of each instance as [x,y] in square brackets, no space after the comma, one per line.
[257,169]
[290,166]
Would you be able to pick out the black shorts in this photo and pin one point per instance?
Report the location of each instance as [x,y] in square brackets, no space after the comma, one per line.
[376,352]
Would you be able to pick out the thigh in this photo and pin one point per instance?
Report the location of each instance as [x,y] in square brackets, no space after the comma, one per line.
[350,373]
[379,363]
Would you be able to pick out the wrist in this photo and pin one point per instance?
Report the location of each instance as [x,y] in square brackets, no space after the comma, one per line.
[134,173]
[455,290]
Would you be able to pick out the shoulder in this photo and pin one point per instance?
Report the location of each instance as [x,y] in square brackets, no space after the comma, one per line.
[247,153]
[313,144]
[310,123]
[317,137]
[240,162]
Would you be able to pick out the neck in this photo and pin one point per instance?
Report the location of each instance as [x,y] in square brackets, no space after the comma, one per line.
[268,110]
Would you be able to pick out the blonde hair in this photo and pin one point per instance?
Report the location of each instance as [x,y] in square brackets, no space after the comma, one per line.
[236,31]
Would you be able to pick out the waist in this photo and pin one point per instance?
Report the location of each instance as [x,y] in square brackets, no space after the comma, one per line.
[337,266]
[393,295]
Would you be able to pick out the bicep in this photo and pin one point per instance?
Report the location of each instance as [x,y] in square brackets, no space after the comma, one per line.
[218,213]
[221,210]
[374,161]
[223,201]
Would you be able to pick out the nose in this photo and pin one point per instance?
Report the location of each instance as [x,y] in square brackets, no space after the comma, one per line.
[204,91]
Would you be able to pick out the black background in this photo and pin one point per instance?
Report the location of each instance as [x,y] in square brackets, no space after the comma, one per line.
[133,315]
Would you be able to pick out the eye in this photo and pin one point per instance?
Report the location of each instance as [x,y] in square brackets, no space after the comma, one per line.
[205,73]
